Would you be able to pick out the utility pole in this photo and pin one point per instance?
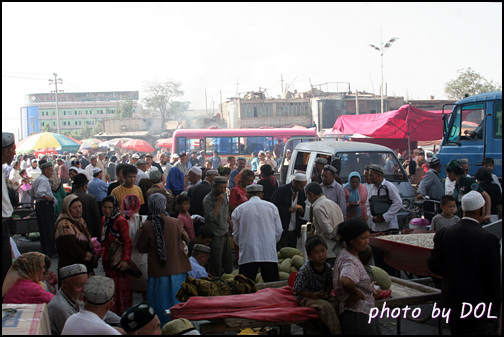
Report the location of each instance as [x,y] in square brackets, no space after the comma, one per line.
[381,49]
[56,81]
[206,104]
[281,80]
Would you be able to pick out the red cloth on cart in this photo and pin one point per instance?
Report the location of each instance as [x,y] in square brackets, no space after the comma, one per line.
[270,304]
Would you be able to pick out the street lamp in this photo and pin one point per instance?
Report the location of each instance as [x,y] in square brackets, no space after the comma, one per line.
[381,50]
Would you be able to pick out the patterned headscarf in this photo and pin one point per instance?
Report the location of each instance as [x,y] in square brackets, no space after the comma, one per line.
[130,205]
[107,224]
[26,266]
[157,206]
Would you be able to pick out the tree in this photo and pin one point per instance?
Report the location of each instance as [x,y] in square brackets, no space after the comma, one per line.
[469,82]
[161,97]
[124,109]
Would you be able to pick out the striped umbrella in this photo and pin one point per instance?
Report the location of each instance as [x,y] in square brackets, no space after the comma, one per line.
[46,139]
[90,144]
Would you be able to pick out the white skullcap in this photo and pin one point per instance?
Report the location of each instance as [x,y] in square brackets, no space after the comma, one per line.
[196,170]
[300,177]
[472,201]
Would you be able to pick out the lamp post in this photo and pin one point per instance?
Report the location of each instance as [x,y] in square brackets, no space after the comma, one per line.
[381,50]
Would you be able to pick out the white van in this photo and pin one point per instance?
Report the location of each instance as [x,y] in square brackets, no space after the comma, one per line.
[348,157]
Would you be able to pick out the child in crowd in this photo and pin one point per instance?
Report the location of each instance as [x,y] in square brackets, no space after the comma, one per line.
[183,204]
[313,285]
[49,277]
[447,217]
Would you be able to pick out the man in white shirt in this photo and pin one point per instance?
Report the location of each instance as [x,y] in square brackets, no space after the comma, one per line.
[44,206]
[327,216]
[257,229]
[70,298]
[92,165]
[388,220]
[98,299]
[332,189]
[33,169]
[8,153]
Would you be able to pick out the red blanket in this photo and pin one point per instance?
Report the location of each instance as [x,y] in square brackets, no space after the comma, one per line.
[270,304]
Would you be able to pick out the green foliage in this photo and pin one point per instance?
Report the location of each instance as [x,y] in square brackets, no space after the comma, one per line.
[124,109]
[161,98]
[469,82]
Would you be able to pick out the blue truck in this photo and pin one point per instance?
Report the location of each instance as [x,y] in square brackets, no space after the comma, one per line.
[473,131]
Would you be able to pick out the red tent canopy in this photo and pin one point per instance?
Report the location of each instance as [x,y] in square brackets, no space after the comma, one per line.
[419,125]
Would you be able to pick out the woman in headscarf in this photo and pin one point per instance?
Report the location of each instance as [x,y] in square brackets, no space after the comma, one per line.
[130,207]
[23,283]
[116,252]
[352,284]
[58,192]
[356,195]
[161,238]
[73,241]
[268,181]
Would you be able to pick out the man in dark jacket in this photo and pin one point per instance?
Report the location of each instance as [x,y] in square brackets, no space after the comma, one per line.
[468,258]
[290,201]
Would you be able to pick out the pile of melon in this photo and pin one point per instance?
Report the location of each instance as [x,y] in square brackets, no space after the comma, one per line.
[289,260]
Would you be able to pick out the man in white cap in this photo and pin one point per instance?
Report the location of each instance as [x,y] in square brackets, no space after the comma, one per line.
[97,186]
[98,299]
[290,201]
[257,229]
[70,298]
[142,171]
[468,258]
[8,153]
[194,176]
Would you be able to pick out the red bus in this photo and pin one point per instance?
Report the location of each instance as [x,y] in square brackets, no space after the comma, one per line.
[236,142]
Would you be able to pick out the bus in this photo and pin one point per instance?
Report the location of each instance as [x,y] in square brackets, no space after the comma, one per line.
[474,131]
[236,142]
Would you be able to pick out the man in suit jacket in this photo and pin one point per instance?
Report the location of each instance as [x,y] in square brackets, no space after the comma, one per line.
[468,258]
[290,201]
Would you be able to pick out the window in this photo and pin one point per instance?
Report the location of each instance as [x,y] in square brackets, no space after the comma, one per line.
[224,145]
[346,163]
[497,120]
[251,144]
[467,118]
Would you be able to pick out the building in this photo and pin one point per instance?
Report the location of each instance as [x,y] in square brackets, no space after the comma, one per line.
[76,110]
[311,108]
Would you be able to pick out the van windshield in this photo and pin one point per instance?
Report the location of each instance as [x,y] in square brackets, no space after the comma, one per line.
[346,163]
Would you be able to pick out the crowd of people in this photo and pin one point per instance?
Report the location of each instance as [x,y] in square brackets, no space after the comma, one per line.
[151,224]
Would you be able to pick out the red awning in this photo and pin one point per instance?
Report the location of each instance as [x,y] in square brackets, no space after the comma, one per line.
[419,125]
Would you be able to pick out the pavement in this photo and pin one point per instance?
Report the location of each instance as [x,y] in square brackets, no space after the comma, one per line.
[388,326]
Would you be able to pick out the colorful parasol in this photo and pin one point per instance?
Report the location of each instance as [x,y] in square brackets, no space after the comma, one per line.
[88,144]
[44,140]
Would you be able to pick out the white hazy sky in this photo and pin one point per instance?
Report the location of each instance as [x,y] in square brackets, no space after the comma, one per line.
[118,46]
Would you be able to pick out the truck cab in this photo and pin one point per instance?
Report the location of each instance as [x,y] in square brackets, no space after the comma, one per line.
[474,131]
[347,157]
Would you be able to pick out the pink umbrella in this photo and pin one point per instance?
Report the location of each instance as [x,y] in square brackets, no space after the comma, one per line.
[138,145]
[168,142]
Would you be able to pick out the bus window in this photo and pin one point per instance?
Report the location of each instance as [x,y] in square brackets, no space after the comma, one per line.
[251,144]
[226,145]
[497,120]
[188,145]
[301,163]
